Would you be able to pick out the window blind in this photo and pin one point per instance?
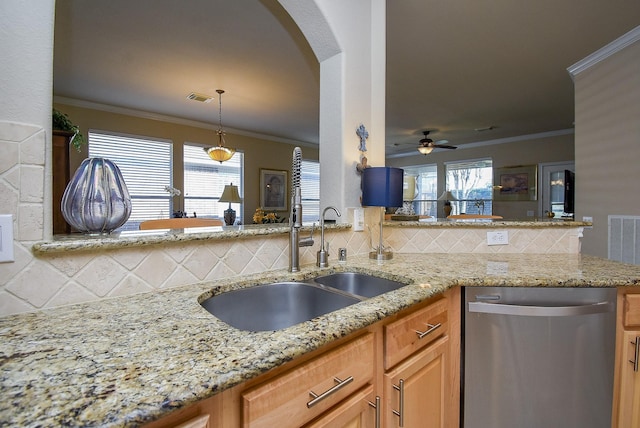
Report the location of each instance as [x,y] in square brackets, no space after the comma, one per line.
[204,181]
[145,164]
[310,184]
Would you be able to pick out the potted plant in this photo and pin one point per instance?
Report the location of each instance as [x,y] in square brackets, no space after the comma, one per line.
[61,122]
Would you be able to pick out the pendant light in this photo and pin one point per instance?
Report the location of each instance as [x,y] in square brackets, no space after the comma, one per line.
[220,153]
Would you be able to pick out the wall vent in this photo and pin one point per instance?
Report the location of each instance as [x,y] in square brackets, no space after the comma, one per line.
[200,97]
[624,238]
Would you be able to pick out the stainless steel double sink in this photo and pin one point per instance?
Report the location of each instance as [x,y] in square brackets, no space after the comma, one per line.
[279,305]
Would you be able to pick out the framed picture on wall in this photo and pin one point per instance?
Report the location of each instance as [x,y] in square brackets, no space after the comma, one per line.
[515,183]
[273,190]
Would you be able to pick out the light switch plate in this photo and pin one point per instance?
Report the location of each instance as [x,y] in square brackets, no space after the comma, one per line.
[6,238]
[499,237]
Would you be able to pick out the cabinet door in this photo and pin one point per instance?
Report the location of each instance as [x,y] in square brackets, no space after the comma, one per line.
[629,410]
[357,411]
[307,391]
[416,391]
[414,331]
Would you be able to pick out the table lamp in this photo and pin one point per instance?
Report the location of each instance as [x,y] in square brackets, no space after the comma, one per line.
[447,197]
[382,187]
[230,194]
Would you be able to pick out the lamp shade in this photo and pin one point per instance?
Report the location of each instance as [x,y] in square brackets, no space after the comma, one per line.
[382,187]
[447,196]
[220,153]
[230,194]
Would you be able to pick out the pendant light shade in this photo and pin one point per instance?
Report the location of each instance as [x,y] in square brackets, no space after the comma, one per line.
[220,153]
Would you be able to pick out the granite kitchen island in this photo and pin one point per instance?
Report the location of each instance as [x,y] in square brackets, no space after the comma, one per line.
[129,360]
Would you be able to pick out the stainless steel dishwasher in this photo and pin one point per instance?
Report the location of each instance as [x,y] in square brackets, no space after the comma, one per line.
[537,357]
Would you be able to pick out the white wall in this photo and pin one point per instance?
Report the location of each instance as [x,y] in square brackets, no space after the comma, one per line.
[350,43]
[608,142]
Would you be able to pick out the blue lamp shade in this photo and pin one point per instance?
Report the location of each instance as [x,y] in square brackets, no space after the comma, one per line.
[382,187]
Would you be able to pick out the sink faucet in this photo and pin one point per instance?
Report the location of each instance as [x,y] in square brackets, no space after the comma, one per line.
[323,254]
[295,216]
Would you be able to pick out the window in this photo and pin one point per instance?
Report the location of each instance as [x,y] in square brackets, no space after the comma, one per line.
[204,181]
[310,184]
[145,164]
[471,183]
[425,202]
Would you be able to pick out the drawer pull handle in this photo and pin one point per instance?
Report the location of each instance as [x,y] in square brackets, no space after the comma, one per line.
[376,406]
[339,384]
[636,359]
[432,327]
[400,412]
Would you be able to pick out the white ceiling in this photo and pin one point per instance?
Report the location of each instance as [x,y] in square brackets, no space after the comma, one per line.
[452,65]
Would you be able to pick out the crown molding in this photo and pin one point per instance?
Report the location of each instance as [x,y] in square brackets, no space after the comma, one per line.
[601,54]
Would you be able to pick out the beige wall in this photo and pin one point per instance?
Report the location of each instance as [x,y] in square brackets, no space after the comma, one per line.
[608,143]
[530,152]
[258,153]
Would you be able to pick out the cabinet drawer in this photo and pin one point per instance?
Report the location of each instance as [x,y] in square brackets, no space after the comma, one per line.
[632,310]
[288,399]
[410,333]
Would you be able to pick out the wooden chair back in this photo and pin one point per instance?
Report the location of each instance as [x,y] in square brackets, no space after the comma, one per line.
[179,223]
[474,216]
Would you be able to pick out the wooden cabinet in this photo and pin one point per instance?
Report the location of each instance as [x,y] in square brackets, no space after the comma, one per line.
[360,410]
[420,384]
[416,391]
[60,178]
[626,396]
[199,415]
[405,366]
[414,331]
[307,391]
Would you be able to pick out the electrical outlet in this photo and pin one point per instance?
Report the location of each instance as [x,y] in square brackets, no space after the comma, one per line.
[6,238]
[500,237]
[358,219]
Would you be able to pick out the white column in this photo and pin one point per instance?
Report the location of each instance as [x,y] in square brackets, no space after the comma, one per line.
[349,41]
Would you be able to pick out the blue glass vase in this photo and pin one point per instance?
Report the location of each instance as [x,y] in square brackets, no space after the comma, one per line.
[96,200]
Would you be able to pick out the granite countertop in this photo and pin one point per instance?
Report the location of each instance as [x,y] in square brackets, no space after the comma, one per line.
[129,360]
[142,238]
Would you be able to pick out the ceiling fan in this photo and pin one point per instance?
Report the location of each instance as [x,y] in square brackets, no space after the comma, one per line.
[427,145]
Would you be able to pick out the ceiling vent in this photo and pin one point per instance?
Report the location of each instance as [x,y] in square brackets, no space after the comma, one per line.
[200,97]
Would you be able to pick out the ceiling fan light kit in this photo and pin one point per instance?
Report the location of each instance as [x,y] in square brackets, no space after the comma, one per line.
[425,149]
[427,145]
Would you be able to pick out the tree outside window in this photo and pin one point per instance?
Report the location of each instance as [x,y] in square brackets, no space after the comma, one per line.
[471,183]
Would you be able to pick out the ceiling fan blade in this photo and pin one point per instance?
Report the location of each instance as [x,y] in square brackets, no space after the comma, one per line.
[444,146]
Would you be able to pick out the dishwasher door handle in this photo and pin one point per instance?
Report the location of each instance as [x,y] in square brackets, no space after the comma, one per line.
[540,311]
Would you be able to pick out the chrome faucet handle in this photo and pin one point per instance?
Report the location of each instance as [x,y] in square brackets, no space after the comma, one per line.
[308,241]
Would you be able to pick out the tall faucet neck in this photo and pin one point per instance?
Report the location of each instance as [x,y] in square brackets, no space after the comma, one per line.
[322,256]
